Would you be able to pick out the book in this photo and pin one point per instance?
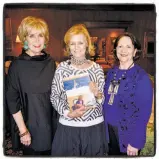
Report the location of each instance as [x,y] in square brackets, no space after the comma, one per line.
[78,92]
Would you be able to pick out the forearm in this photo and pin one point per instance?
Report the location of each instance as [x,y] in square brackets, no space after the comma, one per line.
[143,101]
[101,83]
[57,96]
[24,134]
[20,122]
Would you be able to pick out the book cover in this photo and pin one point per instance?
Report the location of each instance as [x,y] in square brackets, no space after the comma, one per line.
[78,92]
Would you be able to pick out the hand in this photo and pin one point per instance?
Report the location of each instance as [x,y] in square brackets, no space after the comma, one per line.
[78,112]
[79,105]
[99,95]
[93,87]
[26,139]
[132,151]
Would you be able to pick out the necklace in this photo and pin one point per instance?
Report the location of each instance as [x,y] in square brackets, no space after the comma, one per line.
[78,62]
[114,85]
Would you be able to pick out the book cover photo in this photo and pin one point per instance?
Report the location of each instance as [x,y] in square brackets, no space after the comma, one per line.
[78,92]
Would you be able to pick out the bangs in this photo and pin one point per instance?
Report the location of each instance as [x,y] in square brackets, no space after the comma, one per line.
[37,27]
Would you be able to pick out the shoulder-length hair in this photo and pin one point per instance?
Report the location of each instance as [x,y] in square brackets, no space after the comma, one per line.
[135,42]
[30,23]
[75,30]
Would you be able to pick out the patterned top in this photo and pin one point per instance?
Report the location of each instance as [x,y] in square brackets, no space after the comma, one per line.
[59,98]
[131,108]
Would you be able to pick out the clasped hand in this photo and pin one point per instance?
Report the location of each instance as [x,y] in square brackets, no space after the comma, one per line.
[26,139]
[78,112]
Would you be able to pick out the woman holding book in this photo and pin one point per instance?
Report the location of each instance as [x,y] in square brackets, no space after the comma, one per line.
[81,131]
[128,99]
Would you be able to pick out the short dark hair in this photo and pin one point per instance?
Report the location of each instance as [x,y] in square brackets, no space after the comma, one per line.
[135,42]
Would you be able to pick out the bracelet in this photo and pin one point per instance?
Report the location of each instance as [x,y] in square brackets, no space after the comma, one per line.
[99,95]
[25,133]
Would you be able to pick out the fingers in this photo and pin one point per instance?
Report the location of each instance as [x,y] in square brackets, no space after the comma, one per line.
[132,151]
[26,140]
[82,108]
[80,112]
[26,143]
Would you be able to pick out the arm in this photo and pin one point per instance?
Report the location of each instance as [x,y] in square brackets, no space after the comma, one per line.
[20,122]
[25,136]
[143,101]
[100,84]
[106,85]
[14,104]
[59,99]
[57,96]
[97,86]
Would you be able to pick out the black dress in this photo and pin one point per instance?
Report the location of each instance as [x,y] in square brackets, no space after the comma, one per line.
[29,84]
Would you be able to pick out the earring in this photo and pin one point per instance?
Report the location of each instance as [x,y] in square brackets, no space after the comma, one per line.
[25,46]
[44,47]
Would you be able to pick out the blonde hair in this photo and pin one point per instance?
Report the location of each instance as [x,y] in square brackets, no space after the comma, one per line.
[29,23]
[78,29]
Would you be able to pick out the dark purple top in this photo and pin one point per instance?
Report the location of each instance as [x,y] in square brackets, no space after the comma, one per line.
[131,108]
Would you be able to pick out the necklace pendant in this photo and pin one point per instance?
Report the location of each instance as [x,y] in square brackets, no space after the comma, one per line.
[111,99]
[116,88]
[111,88]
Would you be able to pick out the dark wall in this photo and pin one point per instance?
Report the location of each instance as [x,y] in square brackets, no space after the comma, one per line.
[59,20]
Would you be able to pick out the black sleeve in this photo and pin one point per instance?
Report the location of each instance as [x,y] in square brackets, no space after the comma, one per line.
[54,65]
[12,93]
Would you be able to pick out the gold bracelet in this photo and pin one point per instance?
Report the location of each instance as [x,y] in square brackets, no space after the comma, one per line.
[99,95]
[25,133]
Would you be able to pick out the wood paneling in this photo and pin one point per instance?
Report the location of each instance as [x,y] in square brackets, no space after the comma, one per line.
[59,20]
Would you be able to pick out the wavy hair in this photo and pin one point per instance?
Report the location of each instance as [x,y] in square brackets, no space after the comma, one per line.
[135,42]
[30,23]
[75,30]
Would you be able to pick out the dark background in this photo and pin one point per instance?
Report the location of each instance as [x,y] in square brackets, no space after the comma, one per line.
[102,20]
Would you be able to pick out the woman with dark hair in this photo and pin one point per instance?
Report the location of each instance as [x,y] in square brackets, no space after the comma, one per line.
[128,99]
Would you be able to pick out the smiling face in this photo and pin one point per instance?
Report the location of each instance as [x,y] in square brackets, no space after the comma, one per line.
[78,46]
[35,41]
[125,50]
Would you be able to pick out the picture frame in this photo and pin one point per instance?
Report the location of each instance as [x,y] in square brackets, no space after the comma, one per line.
[149,44]
[8,35]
